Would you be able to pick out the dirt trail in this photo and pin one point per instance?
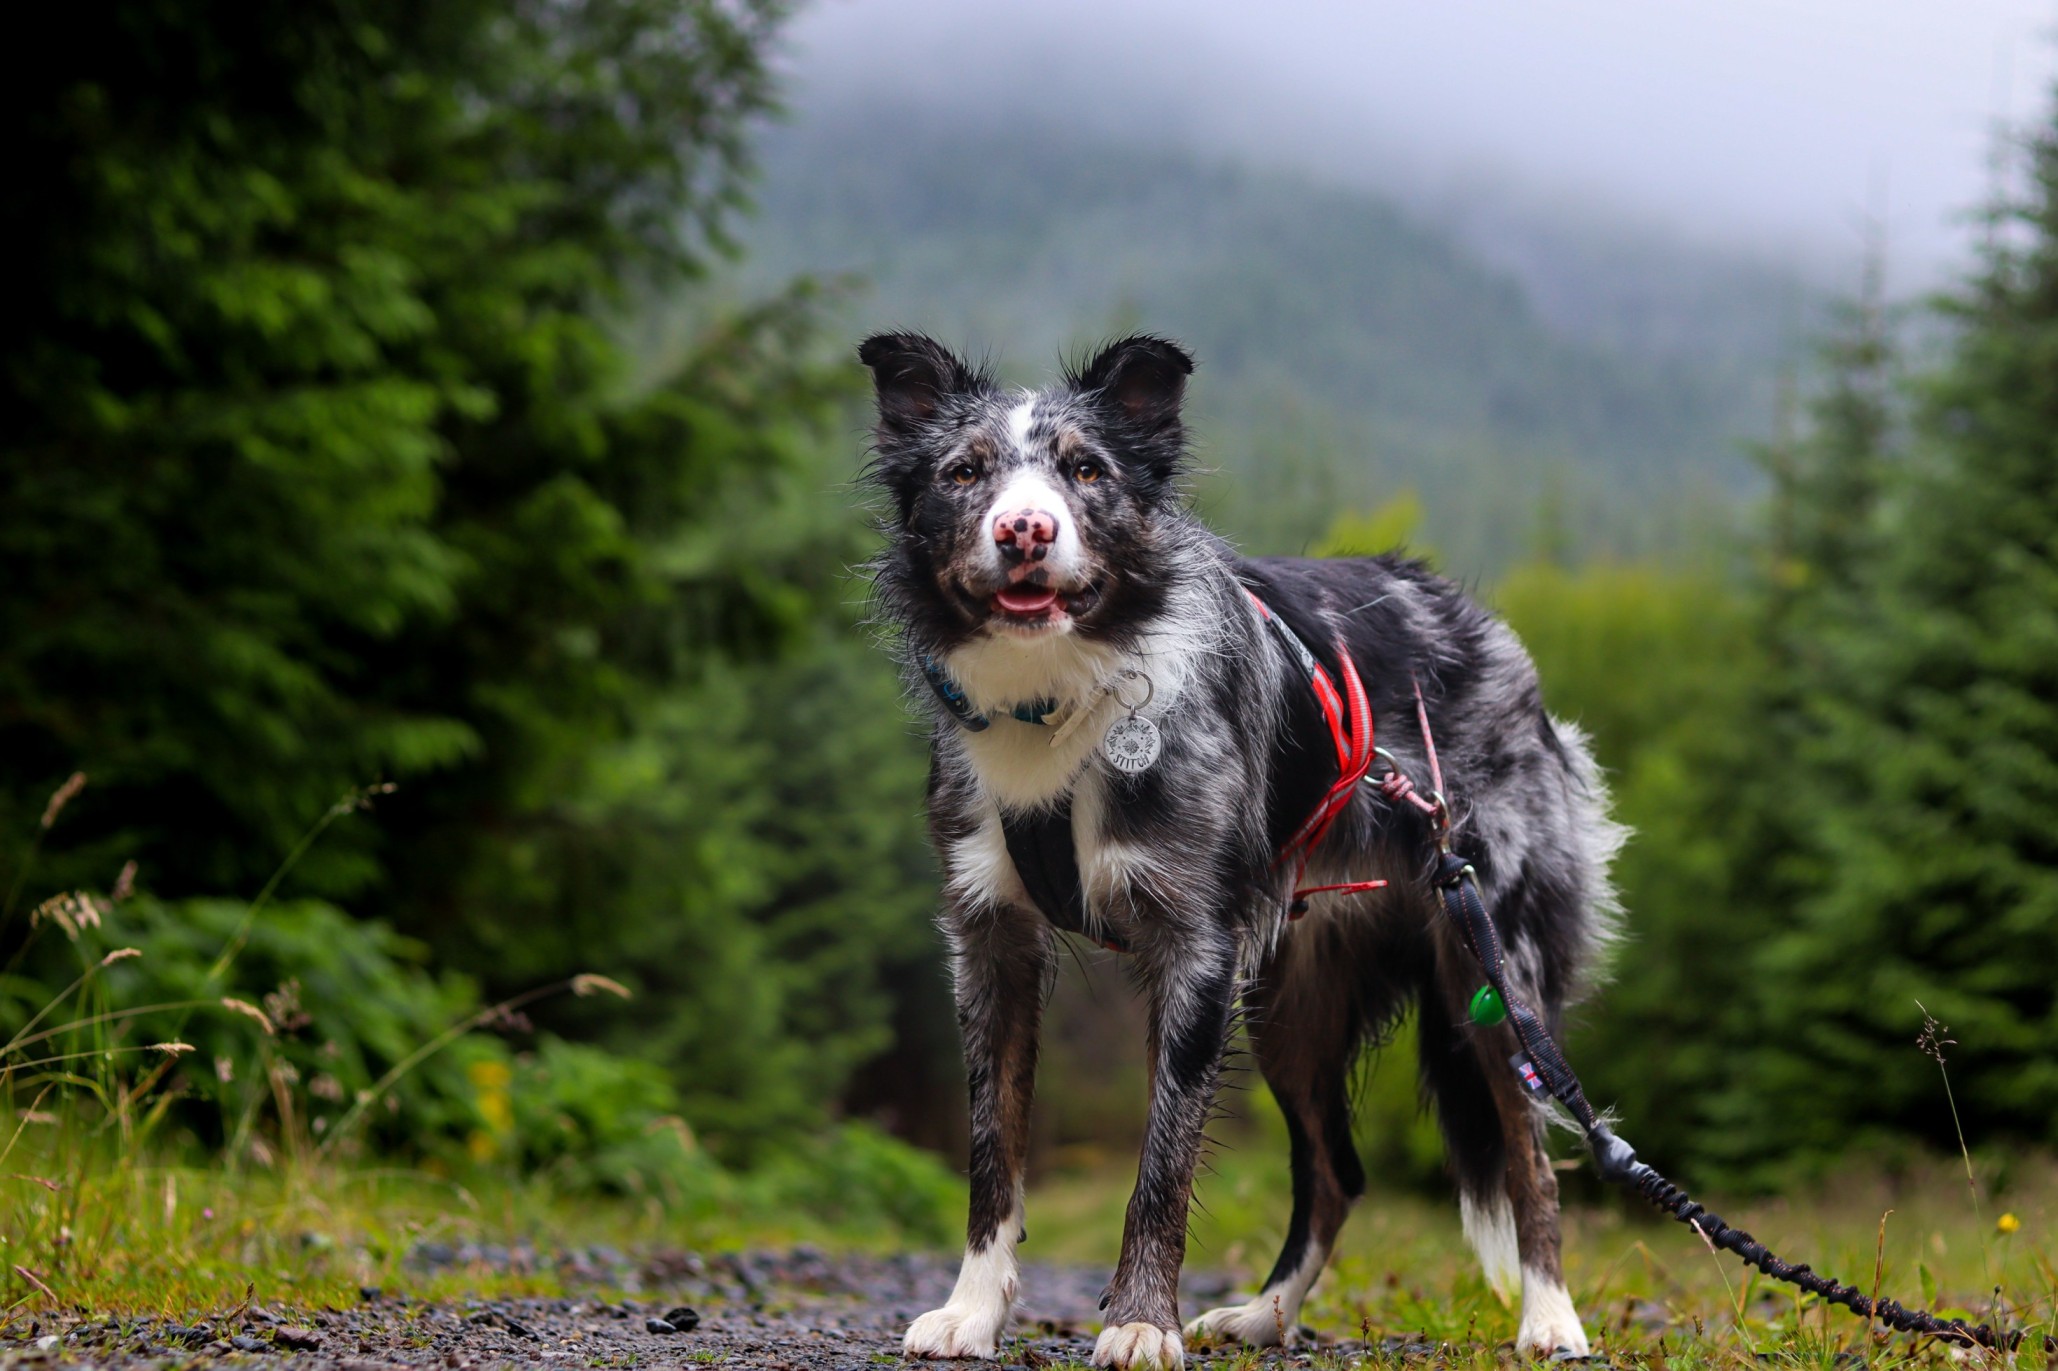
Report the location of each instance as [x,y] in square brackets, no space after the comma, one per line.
[795,1311]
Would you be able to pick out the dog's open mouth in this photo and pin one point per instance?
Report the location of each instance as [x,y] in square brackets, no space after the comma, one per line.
[1035,606]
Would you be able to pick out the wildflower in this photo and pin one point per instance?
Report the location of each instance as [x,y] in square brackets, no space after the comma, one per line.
[120,954]
[283,1007]
[224,1070]
[2007,1223]
[491,1079]
[125,883]
[1932,1040]
[172,1049]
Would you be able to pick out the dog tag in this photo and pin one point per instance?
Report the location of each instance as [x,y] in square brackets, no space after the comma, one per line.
[1131,744]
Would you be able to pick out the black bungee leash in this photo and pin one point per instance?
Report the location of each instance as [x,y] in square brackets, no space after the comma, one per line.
[1544,1071]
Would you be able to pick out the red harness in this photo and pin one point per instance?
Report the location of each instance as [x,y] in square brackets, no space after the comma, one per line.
[1349,715]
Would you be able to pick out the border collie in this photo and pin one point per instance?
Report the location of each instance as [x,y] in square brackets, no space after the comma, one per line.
[1123,747]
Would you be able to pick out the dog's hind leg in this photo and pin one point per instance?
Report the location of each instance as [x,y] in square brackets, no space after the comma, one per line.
[1304,1028]
[1002,965]
[1507,1192]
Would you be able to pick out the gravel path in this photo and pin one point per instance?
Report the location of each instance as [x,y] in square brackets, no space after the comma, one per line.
[796,1311]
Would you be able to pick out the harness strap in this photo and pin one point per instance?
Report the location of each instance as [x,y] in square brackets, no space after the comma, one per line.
[1348,713]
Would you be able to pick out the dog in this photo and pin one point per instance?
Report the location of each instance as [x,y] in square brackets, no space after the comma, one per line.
[1130,743]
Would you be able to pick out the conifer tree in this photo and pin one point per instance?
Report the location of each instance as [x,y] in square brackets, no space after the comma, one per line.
[1921,782]
[323,462]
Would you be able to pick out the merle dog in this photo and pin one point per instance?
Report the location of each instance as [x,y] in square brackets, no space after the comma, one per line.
[1122,749]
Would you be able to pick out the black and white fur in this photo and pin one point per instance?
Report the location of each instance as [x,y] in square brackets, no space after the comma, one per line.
[1179,861]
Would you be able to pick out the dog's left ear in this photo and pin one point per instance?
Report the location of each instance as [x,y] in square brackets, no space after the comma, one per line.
[1143,378]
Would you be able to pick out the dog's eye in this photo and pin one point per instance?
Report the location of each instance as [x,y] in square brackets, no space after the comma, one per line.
[1086,472]
[964,473]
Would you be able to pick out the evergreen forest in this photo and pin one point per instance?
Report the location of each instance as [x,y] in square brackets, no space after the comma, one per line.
[428,547]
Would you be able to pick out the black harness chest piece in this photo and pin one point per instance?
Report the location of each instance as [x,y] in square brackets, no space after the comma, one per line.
[1040,846]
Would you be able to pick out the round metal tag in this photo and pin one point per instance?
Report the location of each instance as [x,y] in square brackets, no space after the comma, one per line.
[1131,744]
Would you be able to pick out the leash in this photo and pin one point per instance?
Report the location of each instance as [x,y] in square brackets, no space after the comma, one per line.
[1544,1070]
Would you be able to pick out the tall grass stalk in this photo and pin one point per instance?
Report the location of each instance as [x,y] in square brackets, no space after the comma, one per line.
[59,798]
[585,983]
[351,803]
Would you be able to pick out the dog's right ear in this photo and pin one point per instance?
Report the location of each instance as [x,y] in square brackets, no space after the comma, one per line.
[912,375]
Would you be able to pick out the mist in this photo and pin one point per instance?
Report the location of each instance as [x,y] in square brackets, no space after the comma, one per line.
[1793,132]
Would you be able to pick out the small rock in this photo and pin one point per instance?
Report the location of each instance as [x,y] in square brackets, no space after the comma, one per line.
[299,1339]
[658,1326]
[683,1319]
[48,1342]
[250,1344]
[369,1293]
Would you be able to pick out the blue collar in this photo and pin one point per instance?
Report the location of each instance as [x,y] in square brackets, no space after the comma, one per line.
[948,691]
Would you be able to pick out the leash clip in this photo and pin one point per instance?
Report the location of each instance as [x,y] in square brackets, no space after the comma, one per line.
[1396,787]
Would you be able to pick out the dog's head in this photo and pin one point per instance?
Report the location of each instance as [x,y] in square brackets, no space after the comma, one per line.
[1028,513]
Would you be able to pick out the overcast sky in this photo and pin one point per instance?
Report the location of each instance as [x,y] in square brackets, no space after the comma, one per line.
[1777,124]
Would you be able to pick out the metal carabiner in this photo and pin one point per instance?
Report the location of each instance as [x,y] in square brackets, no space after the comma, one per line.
[1396,786]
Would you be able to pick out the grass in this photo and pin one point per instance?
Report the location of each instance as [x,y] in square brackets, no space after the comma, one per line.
[1649,1291]
[123,1237]
[118,1236]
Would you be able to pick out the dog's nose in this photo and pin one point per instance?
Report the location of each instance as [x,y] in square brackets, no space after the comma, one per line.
[1025,534]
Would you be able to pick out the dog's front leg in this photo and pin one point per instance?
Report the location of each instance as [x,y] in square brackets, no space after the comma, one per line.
[1191,979]
[1001,963]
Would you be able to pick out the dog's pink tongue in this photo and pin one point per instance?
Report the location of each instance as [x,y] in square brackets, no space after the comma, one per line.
[1026,599]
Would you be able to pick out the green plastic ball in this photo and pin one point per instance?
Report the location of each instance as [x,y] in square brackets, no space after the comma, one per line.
[1487,1009]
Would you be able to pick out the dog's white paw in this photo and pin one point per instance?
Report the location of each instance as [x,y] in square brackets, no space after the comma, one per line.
[1264,1322]
[1550,1325]
[956,1330]
[1127,1346]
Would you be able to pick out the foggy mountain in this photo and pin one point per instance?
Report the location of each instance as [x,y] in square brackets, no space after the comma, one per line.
[1490,357]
